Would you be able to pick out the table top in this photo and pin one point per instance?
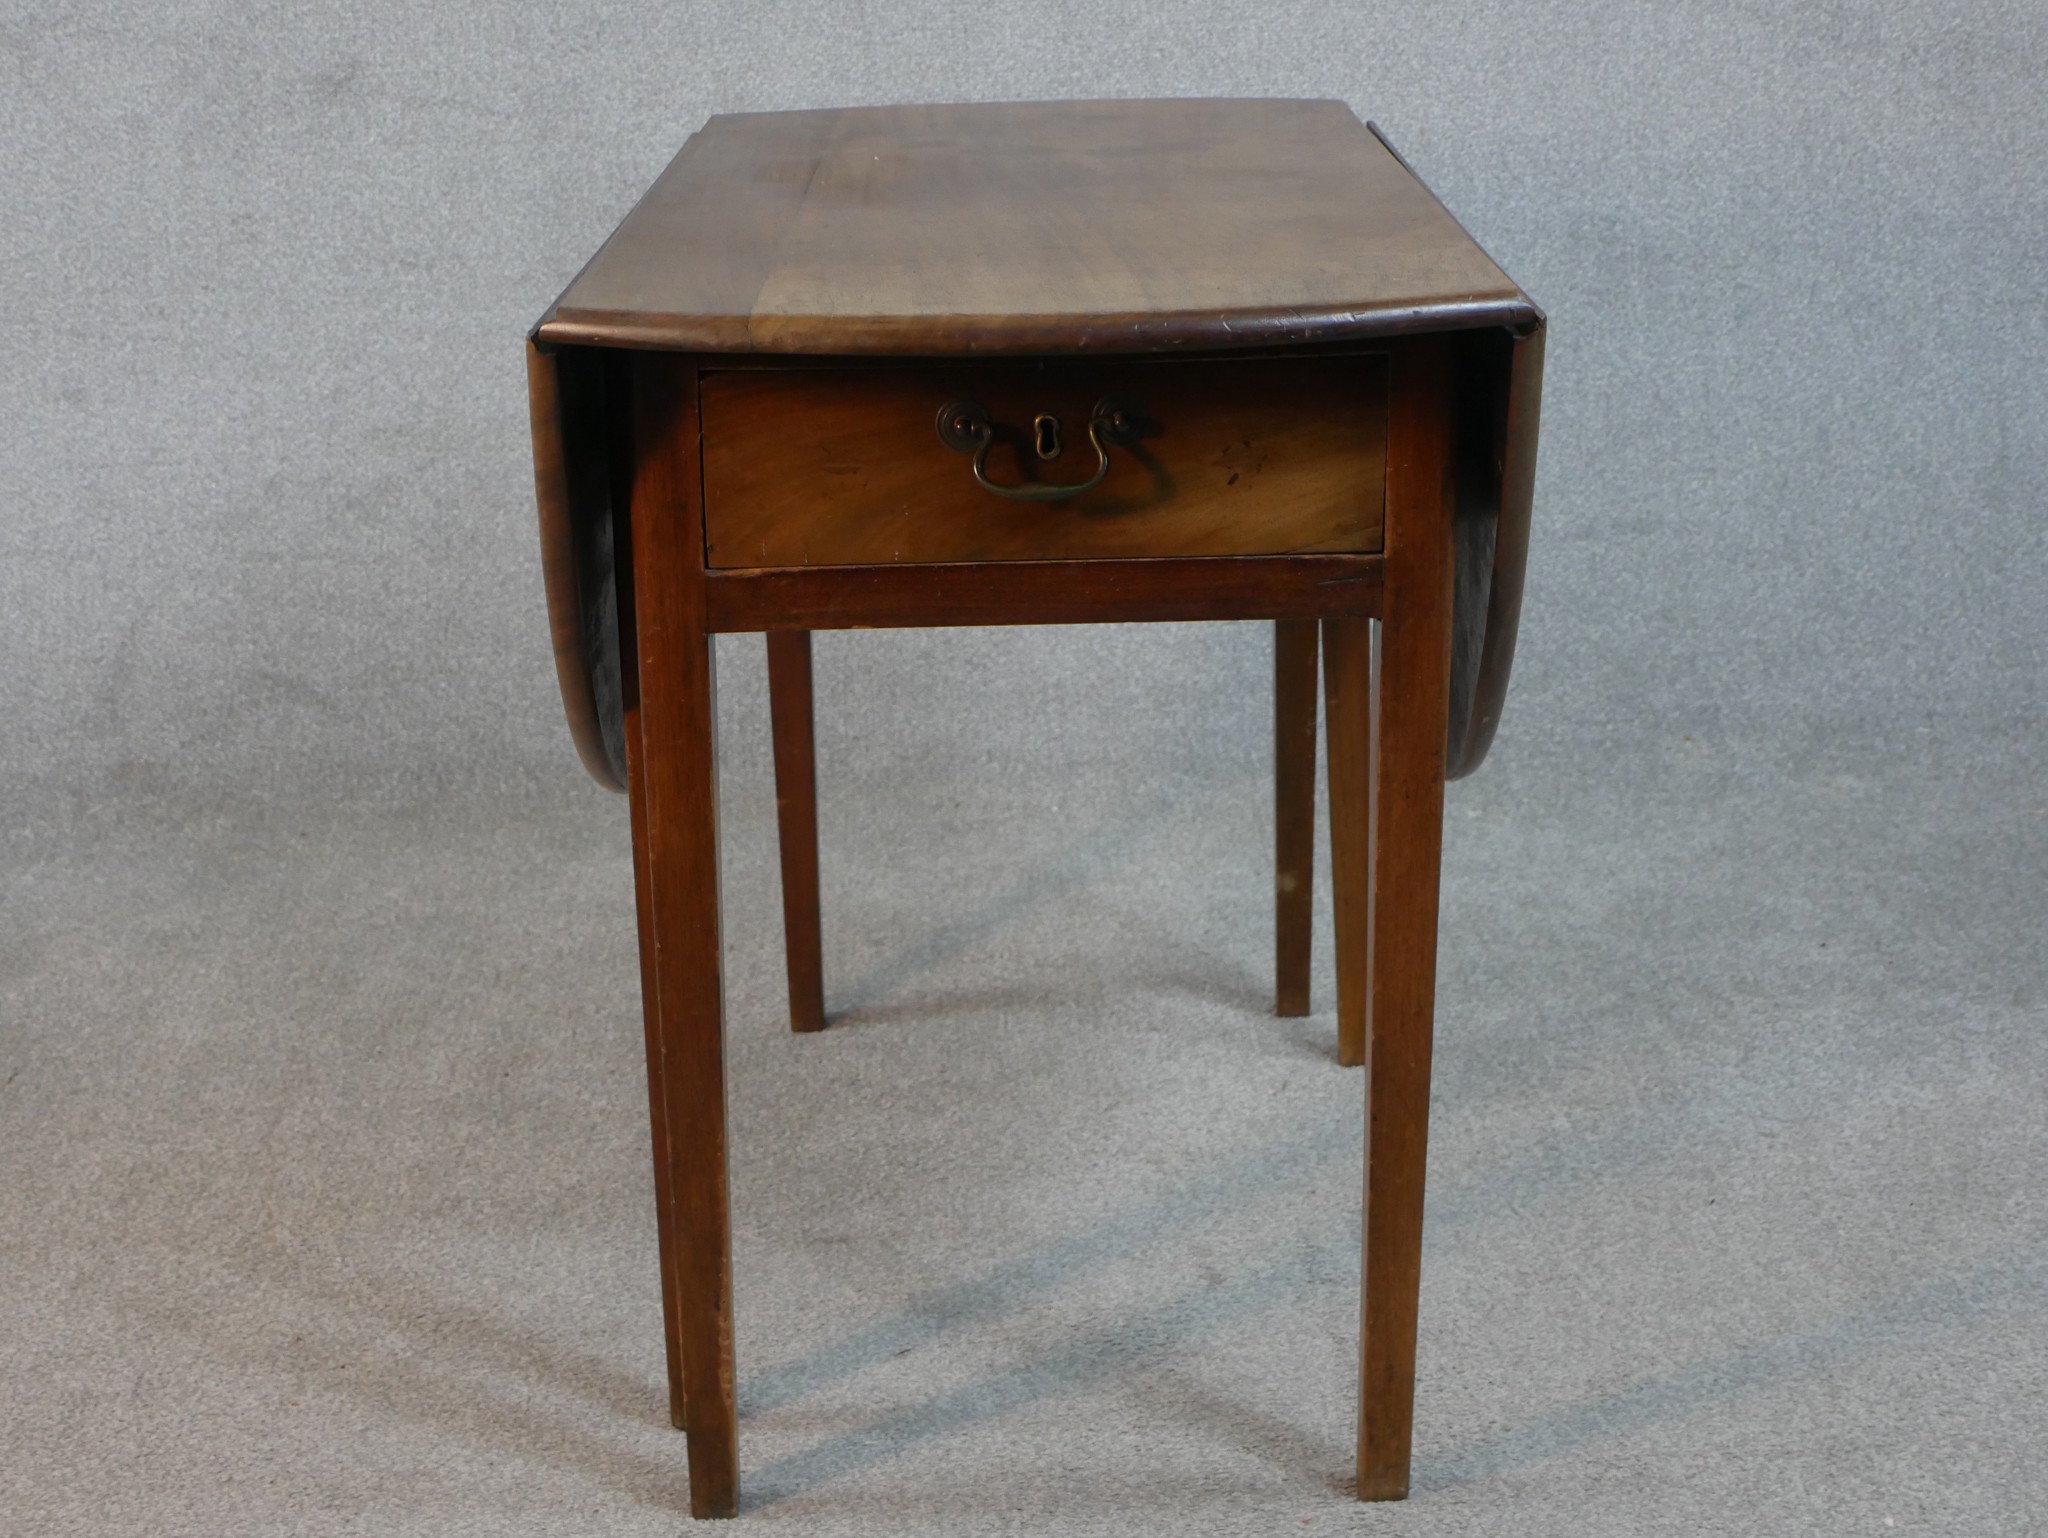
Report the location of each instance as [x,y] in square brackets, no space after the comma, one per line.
[1033,227]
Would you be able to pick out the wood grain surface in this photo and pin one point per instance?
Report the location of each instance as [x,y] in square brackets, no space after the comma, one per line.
[1407,798]
[1344,432]
[792,728]
[677,715]
[1118,226]
[1351,704]
[1034,229]
[1500,402]
[1042,593]
[650,994]
[840,467]
[566,401]
[1294,812]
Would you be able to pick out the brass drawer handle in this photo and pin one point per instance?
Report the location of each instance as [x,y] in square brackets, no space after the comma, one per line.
[964,427]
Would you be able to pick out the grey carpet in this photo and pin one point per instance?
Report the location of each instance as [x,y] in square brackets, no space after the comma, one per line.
[330,1209]
[324,1202]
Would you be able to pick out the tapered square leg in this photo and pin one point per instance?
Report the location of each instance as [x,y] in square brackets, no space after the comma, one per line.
[650,995]
[1413,710]
[1294,810]
[650,1004]
[1351,705]
[796,814]
[678,764]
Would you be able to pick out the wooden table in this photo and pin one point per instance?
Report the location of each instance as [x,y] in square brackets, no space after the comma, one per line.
[1032,364]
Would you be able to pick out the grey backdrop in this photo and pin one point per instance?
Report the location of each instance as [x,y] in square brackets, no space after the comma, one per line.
[324,1179]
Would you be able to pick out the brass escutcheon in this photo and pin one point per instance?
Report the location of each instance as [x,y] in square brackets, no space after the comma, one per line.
[1045,436]
[964,426]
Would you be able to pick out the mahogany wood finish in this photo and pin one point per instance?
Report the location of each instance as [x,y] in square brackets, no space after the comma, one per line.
[566,400]
[1407,842]
[796,817]
[845,467]
[1294,810]
[1042,592]
[678,717]
[1033,227]
[1351,705]
[733,414]
[847,237]
[650,999]
[1497,488]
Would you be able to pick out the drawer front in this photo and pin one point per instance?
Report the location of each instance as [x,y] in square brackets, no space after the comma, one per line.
[846,466]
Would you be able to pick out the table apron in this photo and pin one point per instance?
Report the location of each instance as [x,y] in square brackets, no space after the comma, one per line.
[1043,592]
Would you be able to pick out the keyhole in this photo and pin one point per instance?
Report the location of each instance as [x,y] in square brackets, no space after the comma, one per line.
[1045,436]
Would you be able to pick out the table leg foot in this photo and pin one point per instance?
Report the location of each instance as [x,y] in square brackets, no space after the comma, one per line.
[1384,1485]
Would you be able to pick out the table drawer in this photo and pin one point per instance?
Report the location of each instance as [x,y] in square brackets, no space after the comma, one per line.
[810,466]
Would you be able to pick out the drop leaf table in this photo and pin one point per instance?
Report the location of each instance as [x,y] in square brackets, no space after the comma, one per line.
[1039,363]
